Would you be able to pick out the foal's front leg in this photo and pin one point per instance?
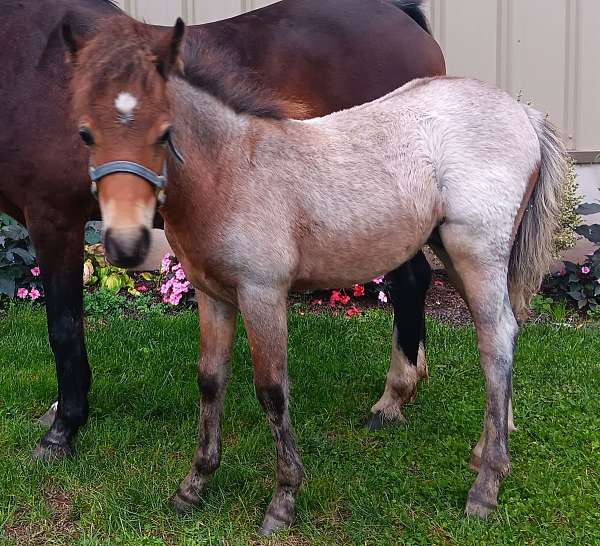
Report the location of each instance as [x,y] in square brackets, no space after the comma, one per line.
[265,316]
[217,332]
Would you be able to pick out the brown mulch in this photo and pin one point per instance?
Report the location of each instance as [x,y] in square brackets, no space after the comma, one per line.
[443,302]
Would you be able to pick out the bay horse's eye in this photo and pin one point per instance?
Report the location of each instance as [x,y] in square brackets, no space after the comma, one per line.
[165,137]
[86,136]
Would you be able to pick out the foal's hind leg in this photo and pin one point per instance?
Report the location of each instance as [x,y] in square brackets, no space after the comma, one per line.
[484,276]
[217,332]
[475,463]
[408,288]
[437,246]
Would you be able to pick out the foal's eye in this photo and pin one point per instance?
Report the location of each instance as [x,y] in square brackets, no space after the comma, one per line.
[86,136]
[165,137]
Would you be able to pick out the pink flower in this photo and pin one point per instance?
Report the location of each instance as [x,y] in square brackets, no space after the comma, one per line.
[174,299]
[316,302]
[378,280]
[36,271]
[181,287]
[176,267]
[344,300]
[22,293]
[165,287]
[34,294]
[359,290]
[141,288]
[353,311]
[165,265]
[382,297]
[585,269]
[180,274]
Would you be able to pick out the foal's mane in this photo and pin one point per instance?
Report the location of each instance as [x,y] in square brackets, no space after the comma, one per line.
[122,51]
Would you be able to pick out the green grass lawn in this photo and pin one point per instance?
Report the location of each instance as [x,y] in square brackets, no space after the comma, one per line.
[403,485]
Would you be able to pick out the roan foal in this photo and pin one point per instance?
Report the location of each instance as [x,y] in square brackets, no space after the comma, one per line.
[264,205]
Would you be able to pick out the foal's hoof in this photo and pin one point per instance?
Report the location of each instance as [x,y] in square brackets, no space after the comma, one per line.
[50,451]
[272,525]
[183,504]
[379,420]
[478,507]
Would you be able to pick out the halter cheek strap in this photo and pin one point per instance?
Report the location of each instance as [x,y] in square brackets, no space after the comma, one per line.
[159,181]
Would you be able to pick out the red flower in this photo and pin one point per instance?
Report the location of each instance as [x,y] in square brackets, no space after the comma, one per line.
[335,297]
[141,288]
[359,290]
[353,311]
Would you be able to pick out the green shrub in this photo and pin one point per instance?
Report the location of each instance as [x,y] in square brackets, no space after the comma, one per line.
[569,219]
[18,272]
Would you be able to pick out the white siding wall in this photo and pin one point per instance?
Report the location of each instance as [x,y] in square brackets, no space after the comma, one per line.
[543,50]
[164,12]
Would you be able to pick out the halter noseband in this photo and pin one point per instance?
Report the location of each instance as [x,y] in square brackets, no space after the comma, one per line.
[159,181]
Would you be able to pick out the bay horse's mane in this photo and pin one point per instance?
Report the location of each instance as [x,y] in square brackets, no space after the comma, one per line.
[122,50]
[215,70]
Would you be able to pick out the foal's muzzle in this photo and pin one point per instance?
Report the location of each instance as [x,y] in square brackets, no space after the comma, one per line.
[127,247]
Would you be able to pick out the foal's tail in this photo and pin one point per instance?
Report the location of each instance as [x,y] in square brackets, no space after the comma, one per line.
[533,247]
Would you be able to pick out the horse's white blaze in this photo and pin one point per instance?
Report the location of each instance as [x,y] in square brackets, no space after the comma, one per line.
[125,104]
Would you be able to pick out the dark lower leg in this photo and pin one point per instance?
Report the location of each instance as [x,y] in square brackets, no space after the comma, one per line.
[496,349]
[408,289]
[217,327]
[282,508]
[60,255]
[265,316]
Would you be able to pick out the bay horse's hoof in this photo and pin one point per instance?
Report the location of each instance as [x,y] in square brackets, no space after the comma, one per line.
[48,418]
[379,420]
[50,451]
[183,504]
[272,525]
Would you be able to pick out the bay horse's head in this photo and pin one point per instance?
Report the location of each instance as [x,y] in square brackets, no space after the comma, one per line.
[120,104]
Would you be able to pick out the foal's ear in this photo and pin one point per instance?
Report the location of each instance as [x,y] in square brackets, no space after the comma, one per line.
[73,42]
[168,49]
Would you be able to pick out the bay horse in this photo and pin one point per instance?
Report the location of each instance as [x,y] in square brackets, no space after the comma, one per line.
[264,205]
[322,54]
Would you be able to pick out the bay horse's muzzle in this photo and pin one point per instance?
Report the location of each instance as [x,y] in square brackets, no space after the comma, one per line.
[127,247]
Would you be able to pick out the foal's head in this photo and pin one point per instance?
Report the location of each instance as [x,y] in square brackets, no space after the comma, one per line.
[120,104]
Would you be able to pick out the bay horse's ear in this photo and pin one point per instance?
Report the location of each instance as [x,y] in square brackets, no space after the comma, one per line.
[73,42]
[168,49]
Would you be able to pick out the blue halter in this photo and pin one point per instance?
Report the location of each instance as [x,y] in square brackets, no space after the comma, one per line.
[159,181]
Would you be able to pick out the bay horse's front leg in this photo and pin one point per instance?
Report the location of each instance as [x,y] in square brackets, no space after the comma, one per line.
[60,256]
[265,316]
[217,333]
[408,287]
